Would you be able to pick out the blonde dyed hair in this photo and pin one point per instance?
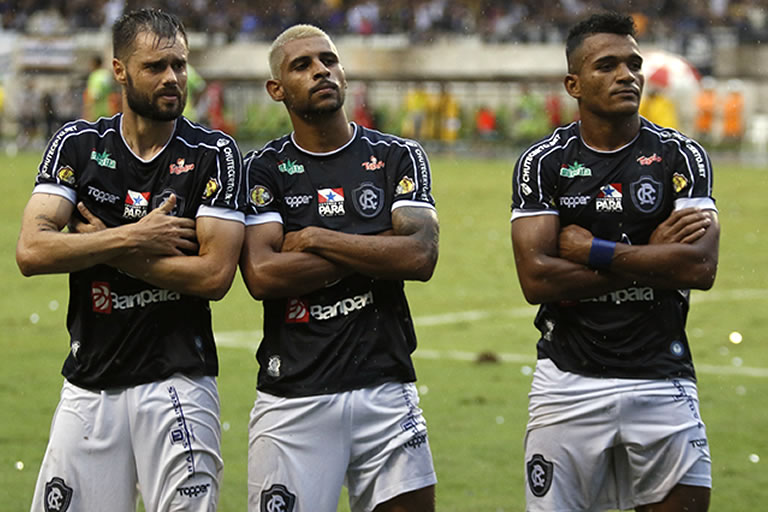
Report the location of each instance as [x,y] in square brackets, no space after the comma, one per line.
[294,33]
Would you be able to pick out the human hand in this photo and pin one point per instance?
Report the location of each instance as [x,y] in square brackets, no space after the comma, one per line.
[297,241]
[91,225]
[161,234]
[575,243]
[682,226]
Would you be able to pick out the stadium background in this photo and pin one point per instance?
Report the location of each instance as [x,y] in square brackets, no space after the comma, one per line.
[475,80]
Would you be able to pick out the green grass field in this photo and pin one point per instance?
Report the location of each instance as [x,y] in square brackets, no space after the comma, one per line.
[476,411]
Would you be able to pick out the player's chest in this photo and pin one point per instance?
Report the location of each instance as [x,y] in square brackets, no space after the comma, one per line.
[120,189]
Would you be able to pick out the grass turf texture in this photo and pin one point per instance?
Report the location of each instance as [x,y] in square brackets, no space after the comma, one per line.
[476,411]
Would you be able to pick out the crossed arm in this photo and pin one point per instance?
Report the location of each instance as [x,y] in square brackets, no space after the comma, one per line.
[151,249]
[275,265]
[552,263]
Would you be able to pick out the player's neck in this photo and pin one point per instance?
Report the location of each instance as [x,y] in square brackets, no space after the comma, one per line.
[608,134]
[145,137]
[321,135]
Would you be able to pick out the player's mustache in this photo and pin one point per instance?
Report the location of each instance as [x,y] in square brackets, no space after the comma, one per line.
[323,85]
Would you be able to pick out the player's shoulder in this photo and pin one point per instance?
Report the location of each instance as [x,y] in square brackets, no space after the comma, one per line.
[562,138]
[670,139]
[198,135]
[99,127]
[271,150]
[377,138]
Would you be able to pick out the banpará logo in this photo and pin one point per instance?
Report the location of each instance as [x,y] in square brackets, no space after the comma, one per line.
[290,167]
[342,307]
[373,164]
[632,294]
[574,170]
[103,159]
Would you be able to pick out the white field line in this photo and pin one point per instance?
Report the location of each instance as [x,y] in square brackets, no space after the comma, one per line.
[250,339]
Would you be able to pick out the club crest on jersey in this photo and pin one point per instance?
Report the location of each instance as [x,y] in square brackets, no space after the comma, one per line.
[406,186]
[648,160]
[373,164]
[609,198]
[574,170]
[679,182]
[136,204]
[368,199]
[101,297]
[159,199]
[66,174]
[211,187]
[277,499]
[261,196]
[330,202]
[646,194]
[103,160]
[540,472]
[290,167]
[58,495]
[296,312]
[180,167]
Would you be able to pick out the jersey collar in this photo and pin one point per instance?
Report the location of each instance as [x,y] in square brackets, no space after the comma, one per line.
[337,150]
[120,131]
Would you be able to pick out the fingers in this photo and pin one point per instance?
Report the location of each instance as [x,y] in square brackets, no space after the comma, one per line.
[167,206]
[86,213]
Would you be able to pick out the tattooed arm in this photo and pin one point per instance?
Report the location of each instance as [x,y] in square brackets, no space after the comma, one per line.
[411,253]
[43,248]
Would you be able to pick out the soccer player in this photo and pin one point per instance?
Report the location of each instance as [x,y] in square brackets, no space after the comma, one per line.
[613,222]
[341,215]
[163,201]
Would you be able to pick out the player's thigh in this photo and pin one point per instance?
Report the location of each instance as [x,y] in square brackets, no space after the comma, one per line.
[88,464]
[177,438]
[298,451]
[391,457]
[420,500]
[682,497]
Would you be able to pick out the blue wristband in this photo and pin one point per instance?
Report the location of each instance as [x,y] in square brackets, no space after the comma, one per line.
[601,253]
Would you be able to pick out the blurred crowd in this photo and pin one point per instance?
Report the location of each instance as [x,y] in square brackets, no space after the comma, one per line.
[420,20]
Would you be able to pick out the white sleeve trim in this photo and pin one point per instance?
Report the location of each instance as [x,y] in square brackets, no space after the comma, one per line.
[221,213]
[56,190]
[703,203]
[518,213]
[253,219]
[408,202]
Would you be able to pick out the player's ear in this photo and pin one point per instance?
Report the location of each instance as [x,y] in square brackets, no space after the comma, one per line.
[275,89]
[118,70]
[572,85]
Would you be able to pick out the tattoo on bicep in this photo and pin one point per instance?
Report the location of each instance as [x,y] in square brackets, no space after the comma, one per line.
[408,221]
[45,223]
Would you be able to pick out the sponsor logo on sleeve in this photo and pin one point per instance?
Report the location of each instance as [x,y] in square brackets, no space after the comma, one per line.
[103,159]
[609,199]
[261,195]
[373,164]
[277,499]
[222,142]
[180,167]
[330,202]
[296,312]
[648,160]
[273,366]
[574,170]
[58,495]
[539,471]
[290,167]
[406,186]
[368,200]
[66,174]
[679,182]
[646,194]
[211,187]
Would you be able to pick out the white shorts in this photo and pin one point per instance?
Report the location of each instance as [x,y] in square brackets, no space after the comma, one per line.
[606,443]
[302,450]
[163,437]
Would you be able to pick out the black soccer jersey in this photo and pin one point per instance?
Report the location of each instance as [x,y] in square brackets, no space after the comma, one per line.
[622,196]
[357,332]
[124,331]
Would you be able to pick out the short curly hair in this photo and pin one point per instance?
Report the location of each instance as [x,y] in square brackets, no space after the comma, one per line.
[600,23]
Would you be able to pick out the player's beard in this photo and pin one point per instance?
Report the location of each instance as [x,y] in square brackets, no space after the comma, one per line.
[312,112]
[146,106]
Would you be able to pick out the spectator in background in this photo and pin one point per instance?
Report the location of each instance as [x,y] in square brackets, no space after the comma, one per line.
[733,113]
[706,107]
[658,108]
[195,90]
[485,123]
[448,116]
[416,107]
[361,112]
[96,99]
